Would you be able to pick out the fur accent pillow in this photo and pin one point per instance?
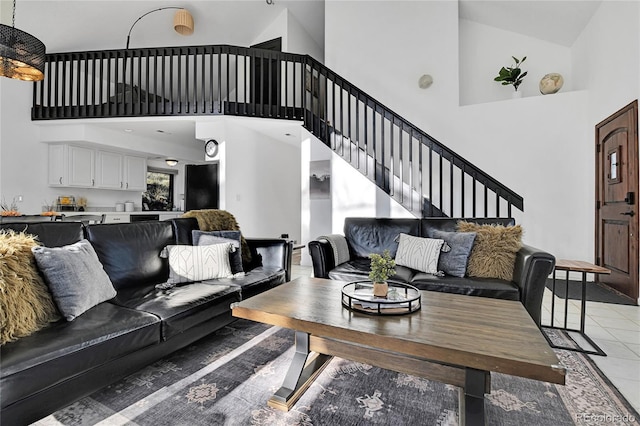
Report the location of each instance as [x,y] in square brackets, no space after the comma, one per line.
[26,305]
[494,251]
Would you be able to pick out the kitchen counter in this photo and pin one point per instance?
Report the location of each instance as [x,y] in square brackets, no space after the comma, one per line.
[124,217]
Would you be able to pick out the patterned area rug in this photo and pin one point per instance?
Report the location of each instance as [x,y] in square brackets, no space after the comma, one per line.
[227,378]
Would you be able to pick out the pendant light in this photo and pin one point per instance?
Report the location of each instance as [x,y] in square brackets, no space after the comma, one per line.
[22,56]
[183,22]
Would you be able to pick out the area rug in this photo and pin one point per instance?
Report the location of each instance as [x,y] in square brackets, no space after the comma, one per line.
[227,378]
[596,292]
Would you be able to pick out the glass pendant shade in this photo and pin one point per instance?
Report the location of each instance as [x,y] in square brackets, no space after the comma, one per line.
[22,56]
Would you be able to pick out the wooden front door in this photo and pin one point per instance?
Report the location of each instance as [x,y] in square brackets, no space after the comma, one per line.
[617,199]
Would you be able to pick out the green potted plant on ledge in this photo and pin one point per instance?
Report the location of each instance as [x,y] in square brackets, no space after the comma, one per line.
[382,268]
[512,75]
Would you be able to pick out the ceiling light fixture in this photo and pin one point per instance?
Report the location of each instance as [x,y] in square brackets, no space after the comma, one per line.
[22,56]
[171,162]
[182,21]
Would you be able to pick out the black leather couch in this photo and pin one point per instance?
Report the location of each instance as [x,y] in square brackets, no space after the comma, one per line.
[57,365]
[374,235]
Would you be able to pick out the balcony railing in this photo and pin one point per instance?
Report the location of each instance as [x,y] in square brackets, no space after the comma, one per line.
[418,171]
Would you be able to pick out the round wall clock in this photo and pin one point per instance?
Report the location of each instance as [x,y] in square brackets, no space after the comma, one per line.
[211,148]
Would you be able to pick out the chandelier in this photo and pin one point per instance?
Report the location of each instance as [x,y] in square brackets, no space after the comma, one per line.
[22,56]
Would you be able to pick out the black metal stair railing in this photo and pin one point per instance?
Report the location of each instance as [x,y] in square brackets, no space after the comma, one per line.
[416,170]
[170,81]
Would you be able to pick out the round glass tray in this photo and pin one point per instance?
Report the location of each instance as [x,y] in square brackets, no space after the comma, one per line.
[401,298]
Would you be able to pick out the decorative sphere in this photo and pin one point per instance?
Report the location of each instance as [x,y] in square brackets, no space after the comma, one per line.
[425,81]
[551,83]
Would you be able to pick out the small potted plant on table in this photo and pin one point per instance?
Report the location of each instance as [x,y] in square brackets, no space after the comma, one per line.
[382,268]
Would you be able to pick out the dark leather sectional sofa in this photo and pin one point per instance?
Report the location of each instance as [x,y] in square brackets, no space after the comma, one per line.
[374,235]
[66,361]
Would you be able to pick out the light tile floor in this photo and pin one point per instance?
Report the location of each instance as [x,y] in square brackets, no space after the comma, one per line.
[615,328]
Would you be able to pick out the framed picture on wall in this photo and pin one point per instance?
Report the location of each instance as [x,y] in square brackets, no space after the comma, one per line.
[320,179]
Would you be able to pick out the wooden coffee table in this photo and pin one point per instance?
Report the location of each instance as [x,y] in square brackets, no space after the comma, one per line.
[452,339]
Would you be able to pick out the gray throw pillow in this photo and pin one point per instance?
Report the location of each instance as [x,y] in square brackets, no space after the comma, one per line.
[205,238]
[454,262]
[75,277]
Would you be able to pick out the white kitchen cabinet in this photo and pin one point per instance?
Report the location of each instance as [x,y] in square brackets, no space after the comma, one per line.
[169,215]
[135,173]
[58,165]
[116,218]
[76,166]
[109,170]
[81,166]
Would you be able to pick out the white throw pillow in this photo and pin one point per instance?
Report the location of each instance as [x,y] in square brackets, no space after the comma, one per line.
[418,253]
[198,263]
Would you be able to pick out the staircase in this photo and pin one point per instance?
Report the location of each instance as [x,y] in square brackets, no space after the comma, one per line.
[417,171]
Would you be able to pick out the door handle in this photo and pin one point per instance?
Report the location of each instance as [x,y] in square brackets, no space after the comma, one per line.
[631,213]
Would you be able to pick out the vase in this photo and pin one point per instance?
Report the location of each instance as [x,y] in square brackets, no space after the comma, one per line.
[380,289]
[516,95]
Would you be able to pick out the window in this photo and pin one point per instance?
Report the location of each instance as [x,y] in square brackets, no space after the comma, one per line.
[159,193]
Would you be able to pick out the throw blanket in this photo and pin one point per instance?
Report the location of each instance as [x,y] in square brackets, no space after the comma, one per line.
[339,245]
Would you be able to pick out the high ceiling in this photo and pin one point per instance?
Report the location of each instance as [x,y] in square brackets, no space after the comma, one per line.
[72,25]
[556,21]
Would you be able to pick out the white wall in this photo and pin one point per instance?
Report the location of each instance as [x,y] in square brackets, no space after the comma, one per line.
[299,40]
[24,157]
[539,146]
[263,175]
[606,59]
[295,39]
[383,47]
[485,49]
[260,177]
[23,163]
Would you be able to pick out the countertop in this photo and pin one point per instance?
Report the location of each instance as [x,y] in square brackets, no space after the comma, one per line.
[91,211]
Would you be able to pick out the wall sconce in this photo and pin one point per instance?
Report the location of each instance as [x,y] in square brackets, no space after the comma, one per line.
[171,162]
[425,81]
[21,54]
[182,21]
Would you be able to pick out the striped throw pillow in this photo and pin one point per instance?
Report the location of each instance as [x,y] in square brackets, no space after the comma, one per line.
[418,253]
[198,263]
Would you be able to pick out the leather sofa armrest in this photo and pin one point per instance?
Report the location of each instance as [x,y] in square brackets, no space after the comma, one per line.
[322,258]
[532,268]
[275,252]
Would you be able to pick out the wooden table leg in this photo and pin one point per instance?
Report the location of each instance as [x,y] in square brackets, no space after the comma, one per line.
[305,367]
